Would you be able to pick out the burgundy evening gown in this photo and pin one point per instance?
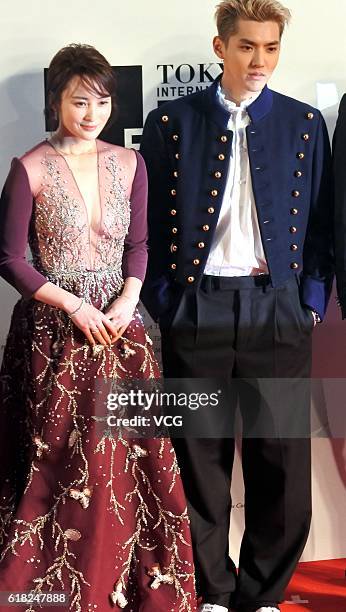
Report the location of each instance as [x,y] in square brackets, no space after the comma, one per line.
[100,517]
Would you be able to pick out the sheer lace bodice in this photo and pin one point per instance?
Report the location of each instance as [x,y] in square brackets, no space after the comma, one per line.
[61,239]
[76,252]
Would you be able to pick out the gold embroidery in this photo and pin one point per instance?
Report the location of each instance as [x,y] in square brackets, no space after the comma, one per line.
[41,447]
[159,577]
[117,596]
[82,496]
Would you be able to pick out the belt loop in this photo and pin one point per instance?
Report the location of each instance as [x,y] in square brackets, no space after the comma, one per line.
[206,283]
[265,287]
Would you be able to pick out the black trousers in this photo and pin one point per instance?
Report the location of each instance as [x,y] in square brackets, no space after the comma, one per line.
[243,328]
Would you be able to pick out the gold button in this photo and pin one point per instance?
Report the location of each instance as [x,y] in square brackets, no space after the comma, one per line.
[177,156]
[300,155]
[174,266]
[173,248]
[294,266]
[211,210]
[173,192]
[175,137]
[173,212]
[217,175]
[294,247]
[190,279]
[201,245]
[221,157]
[305,137]
[294,211]
[206,228]
[196,262]
[298,174]
[175,174]
[174,230]
[296,194]
[214,193]
[310,116]
[223,138]
[164,118]
[293,229]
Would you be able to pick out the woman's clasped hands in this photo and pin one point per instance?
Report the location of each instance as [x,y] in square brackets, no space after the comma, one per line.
[104,328]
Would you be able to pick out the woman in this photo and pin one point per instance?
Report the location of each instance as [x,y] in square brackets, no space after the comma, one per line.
[101,517]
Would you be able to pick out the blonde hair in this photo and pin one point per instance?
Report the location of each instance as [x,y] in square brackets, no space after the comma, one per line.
[229,11]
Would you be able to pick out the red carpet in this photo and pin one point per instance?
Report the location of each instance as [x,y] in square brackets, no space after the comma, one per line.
[319,587]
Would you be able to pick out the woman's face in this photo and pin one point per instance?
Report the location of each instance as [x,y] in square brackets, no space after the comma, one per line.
[82,112]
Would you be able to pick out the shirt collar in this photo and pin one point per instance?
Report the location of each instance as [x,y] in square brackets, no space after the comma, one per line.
[208,101]
[231,106]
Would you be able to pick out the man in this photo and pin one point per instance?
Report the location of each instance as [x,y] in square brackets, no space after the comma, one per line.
[339,159]
[240,270]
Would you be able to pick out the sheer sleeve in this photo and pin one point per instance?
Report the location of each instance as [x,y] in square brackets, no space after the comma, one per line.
[135,249]
[15,214]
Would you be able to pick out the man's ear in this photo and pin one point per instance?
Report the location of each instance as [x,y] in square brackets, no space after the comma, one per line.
[219,47]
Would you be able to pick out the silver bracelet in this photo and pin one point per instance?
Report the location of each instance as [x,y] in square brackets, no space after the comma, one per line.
[71,314]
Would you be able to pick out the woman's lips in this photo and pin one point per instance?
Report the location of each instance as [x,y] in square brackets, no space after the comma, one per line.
[89,128]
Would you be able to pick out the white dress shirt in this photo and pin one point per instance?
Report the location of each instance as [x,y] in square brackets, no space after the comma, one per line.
[237,248]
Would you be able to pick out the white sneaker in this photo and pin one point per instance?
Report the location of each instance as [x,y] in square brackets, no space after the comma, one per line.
[266,609]
[212,608]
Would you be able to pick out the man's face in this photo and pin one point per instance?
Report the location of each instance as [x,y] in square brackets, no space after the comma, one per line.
[250,57]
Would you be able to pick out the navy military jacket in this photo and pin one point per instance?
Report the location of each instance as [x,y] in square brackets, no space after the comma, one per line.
[339,155]
[187,146]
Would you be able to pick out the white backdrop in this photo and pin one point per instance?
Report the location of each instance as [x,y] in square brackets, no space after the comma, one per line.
[153,33]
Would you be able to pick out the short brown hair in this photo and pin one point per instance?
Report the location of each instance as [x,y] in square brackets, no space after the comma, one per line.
[229,11]
[77,60]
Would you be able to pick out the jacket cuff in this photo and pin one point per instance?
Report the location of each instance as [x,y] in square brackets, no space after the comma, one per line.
[315,295]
